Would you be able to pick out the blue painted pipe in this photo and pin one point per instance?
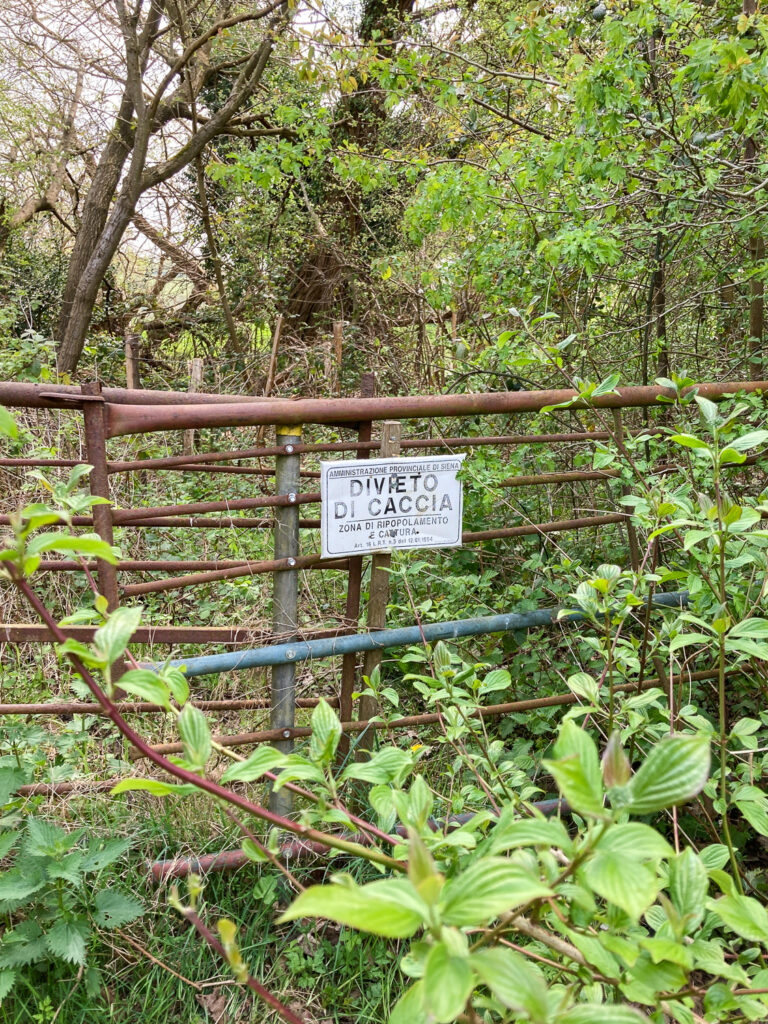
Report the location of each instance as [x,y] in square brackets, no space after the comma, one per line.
[327,647]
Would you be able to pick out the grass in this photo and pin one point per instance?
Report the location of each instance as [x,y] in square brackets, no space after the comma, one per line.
[330,974]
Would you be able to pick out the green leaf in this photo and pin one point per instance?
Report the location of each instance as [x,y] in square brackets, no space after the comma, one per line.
[635,841]
[585,686]
[688,886]
[326,733]
[389,764]
[8,428]
[489,887]
[83,544]
[176,682]
[511,834]
[113,637]
[754,627]
[114,908]
[729,456]
[675,770]
[262,760]
[389,908]
[498,679]
[7,977]
[101,854]
[447,984]
[601,1013]
[513,980]
[11,777]
[743,915]
[749,440]
[577,770]
[66,940]
[195,735]
[632,886]
[153,786]
[146,685]
[689,441]
[409,1009]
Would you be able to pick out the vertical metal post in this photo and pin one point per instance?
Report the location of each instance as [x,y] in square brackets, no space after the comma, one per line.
[195,380]
[132,346]
[96,454]
[354,579]
[379,588]
[285,597]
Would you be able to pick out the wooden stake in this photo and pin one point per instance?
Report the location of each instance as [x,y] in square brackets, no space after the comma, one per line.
[132,343]
[195,380]
[379,588]
[338,349]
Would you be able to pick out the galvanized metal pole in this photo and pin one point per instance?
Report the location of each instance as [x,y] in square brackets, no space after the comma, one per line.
[96,453]
[285,597]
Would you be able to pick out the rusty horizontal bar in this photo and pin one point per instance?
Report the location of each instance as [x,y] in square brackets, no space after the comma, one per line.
[251,569]
[197,523]
[66,396]
[124,419]
[180,461]
[120,516]
[544,479]
[14,463]
[137,565]
[430,718]
[20,633]
[144,708]
[558,526]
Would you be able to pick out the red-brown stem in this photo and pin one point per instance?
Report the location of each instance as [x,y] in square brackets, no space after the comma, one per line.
[200,782]
[202,929]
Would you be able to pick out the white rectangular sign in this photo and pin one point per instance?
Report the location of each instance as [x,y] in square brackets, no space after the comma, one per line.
[382,504]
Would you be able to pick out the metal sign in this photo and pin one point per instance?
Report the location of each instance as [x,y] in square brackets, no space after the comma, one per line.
[383,504]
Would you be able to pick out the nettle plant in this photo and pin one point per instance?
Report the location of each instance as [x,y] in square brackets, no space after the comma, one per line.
[604,912]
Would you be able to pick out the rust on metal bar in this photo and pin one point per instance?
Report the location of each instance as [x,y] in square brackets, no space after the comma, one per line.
[430,718]
[197,522]
[144,708]
[66,565]
[41,462]
[544,479]
[128,515]
[125,419]
[252,569]
[19,633]
[558,526]
[67,396]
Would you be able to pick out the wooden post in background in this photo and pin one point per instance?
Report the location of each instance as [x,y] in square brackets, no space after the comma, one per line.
[338,351]
[132,346]
[379,587]
[195,380]
[354,578]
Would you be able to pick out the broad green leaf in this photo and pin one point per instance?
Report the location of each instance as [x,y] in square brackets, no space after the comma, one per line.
[688,886]
[689,441]
[577,770]
[632,886]
[675,770]
[749,440]
[756,815]
[755,628]
[84,544]
[498,679]
[584,685]
[714,856]
[101,853]
[326,733]
[8,428]
[176,682]
[115,908]
[195,735]
[385,908]
[262,760]
[146,685]
[387,765]
[511,834]
[489,887]
[668,949]
[11,777]
[409,1009]
[446,985]
[729,456]
[601,1013]
[743,915]
[153,786]
[7,977]
[635,841]
[113,637]
[515,981]
[66,940]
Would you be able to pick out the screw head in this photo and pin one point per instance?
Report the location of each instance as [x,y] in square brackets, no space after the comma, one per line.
[287,733]
[289,449]
[292,496]
[291,561]
[290,653]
